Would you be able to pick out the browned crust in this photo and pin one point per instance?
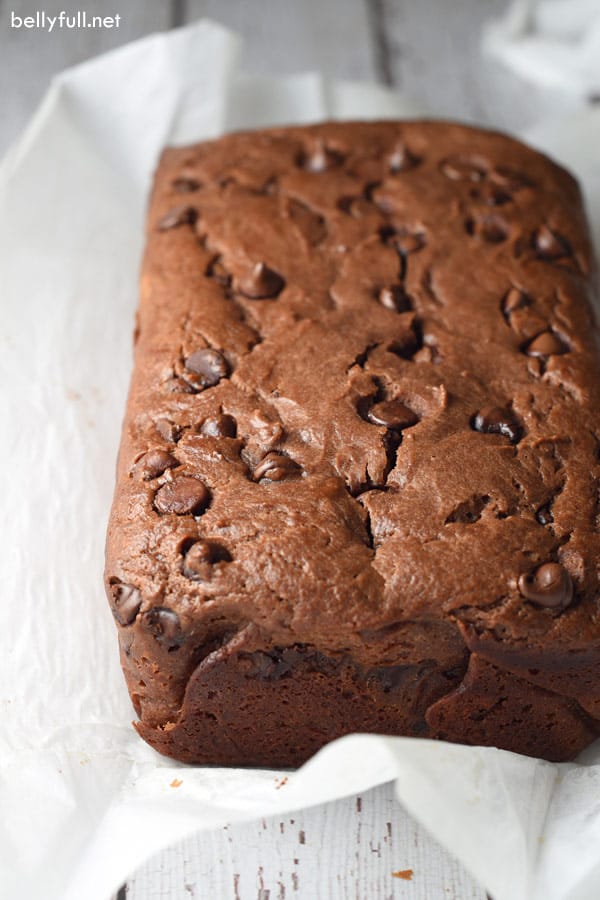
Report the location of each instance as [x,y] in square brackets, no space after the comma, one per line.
[367,556]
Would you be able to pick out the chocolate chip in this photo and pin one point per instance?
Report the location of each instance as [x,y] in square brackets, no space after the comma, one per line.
[490,229]
[544,515]
[549,585]
[261,283]
[401,159]
[208,365]
[493,231]
[526,323]
[494,420]
[179,215]
[219,426]
[496,197]
[275,467]
[182,496]
[546,344]
[514,299]
[409,242]
[461,168]
[395,298]
[549,245]
[126,602]
[309,223]
[163,624]
[320,158]
[357,207]
[429,353]
[392,414]
[197,563]
[186,185]
[180,386]
[200,557]
[153,463]
[168,430]
[490,195]
[509,179]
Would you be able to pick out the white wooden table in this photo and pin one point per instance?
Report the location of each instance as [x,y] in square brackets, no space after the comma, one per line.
[363,847]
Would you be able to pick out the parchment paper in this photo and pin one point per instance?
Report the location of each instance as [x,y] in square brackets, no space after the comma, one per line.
[83,800]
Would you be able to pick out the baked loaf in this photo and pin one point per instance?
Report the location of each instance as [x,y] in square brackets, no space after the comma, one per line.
[358,480]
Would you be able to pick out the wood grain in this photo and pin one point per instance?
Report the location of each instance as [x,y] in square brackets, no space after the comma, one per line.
[434,54]
[30,57]
[286,36]
[340,851]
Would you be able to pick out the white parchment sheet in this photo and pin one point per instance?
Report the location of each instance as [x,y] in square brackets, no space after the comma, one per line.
[82,799]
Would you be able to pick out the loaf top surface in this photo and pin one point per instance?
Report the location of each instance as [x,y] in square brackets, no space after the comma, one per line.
[365,410]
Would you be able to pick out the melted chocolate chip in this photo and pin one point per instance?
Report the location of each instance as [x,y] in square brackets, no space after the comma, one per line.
[490,229]
[168,430]
[320,157]
[401,159]
[395,298]
[181,386]
[461,168]
[179,215]
[154,462]
[544,515]
[357,207]
[126,602]
[509,179]
[185,185]
[261,283]
[546,344]
[549,245]
[163,624]
[392,414]
[208,366]
[275,467]
[219,426]
[409,242]
[526,323]
[200,558]
[514,299]
[494,231]
[198,563]
[494,420]
[183,496]
[309,223]
[490,195]
[549,585]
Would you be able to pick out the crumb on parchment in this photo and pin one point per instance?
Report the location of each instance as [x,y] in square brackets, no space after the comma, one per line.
[406,874]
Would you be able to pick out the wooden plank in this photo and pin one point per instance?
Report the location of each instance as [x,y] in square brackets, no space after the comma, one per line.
[30,57]
[342,850]
[283,36]
[435,56]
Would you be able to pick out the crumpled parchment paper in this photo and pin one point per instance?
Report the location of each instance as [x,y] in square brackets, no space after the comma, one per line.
[84,801]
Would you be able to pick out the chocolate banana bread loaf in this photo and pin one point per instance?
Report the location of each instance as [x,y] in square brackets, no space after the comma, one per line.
[358,485]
